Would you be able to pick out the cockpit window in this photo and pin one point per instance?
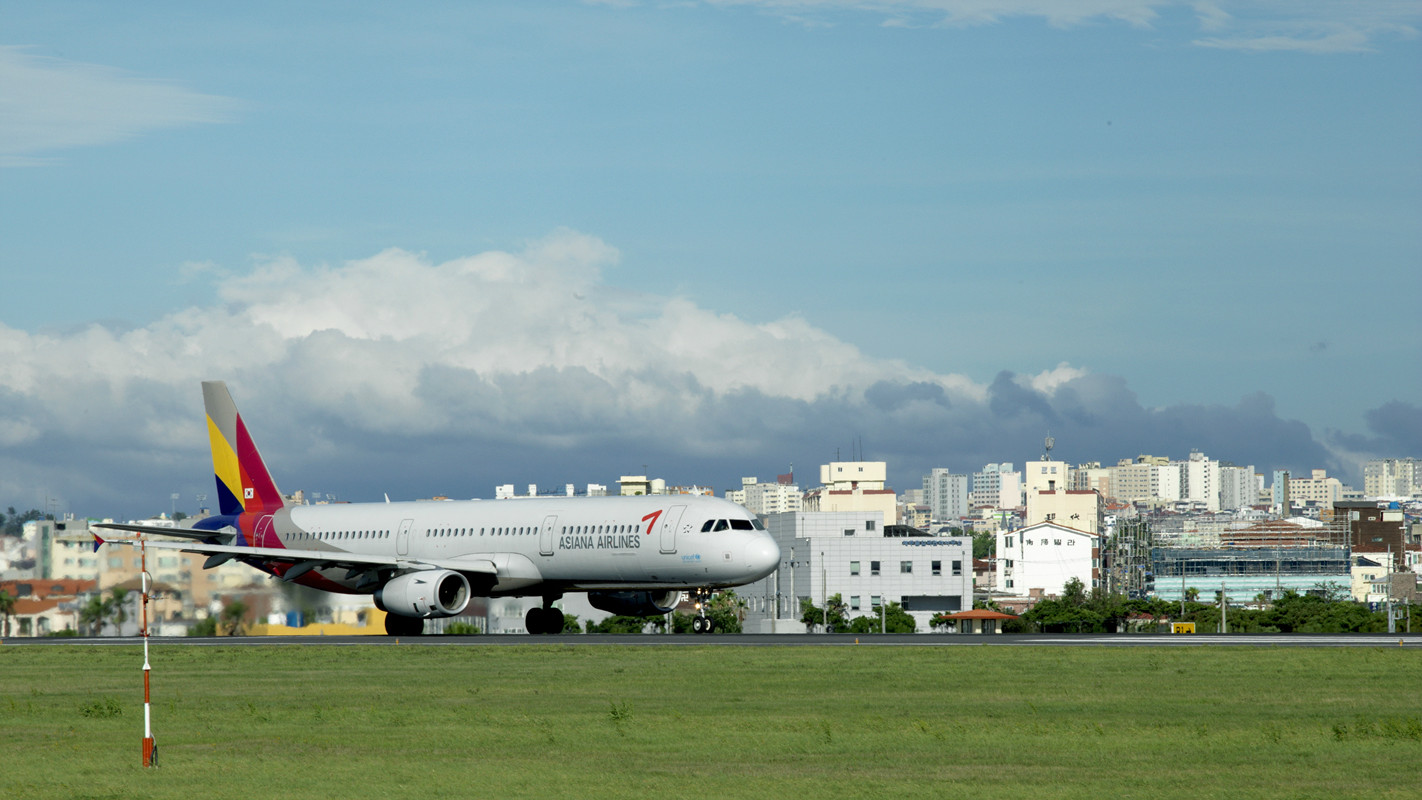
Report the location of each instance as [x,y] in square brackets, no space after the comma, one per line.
[721,525]
[707,527]
[757,524]
[741,525]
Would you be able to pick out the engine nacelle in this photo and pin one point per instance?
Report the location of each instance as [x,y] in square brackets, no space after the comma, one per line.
[425,593]
[635,604]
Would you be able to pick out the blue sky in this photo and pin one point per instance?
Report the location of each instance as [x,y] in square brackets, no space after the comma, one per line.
[713,238]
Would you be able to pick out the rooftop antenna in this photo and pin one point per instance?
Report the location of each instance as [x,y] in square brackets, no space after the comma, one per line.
[1049,443]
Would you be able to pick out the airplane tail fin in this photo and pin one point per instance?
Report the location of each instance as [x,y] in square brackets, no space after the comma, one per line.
[243,483]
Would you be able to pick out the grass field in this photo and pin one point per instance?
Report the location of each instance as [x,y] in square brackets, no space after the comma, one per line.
[712,722]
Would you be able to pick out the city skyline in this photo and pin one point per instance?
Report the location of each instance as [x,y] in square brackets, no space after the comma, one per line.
[436,252]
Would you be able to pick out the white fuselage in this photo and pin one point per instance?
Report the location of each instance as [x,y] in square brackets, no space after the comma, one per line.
[544,544]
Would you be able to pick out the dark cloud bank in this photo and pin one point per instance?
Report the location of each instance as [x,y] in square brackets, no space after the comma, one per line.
[554,426]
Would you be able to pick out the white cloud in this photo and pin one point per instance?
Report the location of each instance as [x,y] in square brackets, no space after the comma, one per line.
[51,104]
[1049,380]
[375,328]
[1312,26]
[493,367]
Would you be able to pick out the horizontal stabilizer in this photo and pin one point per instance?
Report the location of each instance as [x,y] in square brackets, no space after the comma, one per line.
[158,530]
[320,559]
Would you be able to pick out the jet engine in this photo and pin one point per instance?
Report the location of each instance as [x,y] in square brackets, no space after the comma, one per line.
[635,604]
[426,593]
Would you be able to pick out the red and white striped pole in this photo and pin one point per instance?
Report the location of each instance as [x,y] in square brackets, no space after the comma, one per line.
[148,754]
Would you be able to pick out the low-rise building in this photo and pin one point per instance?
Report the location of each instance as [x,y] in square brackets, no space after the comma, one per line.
[853,486]
[1045,556]
[979,621]
[853,554]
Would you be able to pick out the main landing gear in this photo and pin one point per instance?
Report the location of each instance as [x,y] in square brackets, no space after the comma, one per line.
[398,625]
[544,620]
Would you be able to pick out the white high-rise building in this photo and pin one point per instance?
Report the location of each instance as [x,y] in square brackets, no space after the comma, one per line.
[946,494]
[1238,487]
[1392,477]
[997,486]
[1148,479]
[1200,480]
[766,498]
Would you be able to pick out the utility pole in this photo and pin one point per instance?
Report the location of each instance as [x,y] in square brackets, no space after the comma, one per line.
[1182,588]
[824,588]
[1224,610]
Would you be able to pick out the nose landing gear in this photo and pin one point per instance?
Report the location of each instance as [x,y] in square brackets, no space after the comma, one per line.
[701,623]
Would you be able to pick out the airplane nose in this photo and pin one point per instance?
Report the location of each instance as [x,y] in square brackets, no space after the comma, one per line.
[762,556]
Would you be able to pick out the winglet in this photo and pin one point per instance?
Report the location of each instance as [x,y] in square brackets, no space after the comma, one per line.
[97,542]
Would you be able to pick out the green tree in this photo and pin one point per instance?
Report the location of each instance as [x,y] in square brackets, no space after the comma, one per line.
[7,607]
[984,545]
[207,626]
[893,619]
[1063,616]
[618,623]
[814,616]
[1111,607]
[118,608]
[726,611]
[94,614]
[15,521]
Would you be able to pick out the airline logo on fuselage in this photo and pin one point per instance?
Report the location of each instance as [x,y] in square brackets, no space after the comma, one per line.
[609,541]
[606,541]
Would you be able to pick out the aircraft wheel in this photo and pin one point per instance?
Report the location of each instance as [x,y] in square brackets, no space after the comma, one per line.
[710,625]
[535,620]
[553,618]
[397,625]
[698,624]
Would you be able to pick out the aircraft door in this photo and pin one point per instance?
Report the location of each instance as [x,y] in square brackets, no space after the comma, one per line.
[262,533]
[545,536]
[670,522]
[402,539]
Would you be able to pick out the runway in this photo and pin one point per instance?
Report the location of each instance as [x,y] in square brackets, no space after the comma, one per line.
[1389,640]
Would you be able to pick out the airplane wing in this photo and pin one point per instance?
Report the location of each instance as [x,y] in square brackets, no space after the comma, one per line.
[306,560]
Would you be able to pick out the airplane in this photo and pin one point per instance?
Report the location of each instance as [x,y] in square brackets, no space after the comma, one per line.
[632,555]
